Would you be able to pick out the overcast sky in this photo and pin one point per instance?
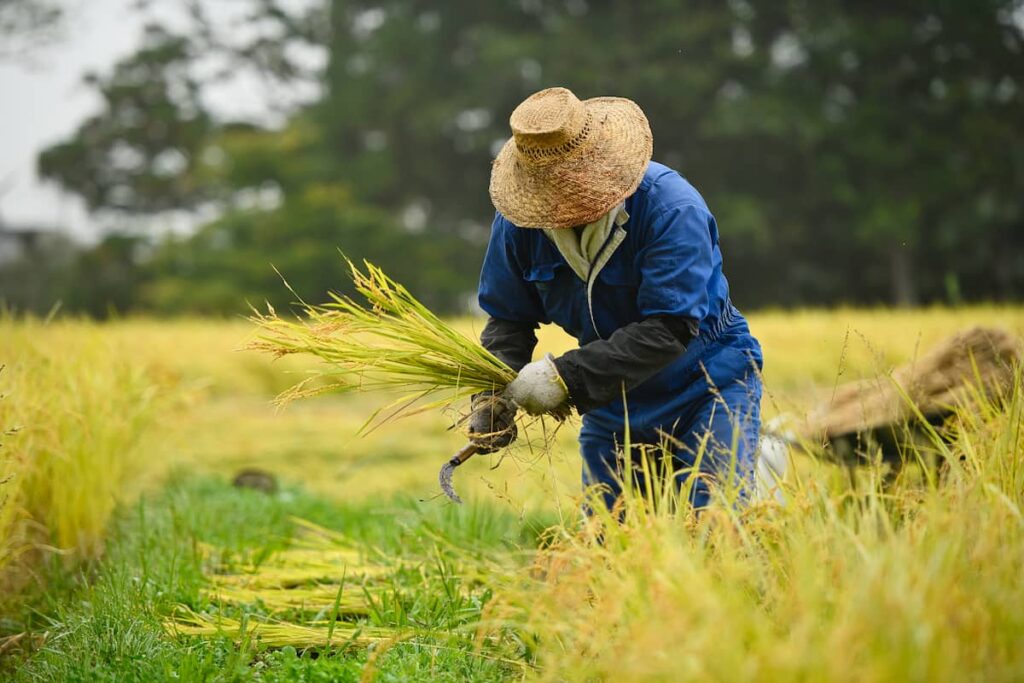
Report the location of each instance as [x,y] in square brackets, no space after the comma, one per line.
[42,101]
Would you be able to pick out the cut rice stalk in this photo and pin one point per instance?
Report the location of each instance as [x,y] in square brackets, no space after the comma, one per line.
[290,577]
[318,556]
[393,343]
[340,634]
[305,599]
[314,593]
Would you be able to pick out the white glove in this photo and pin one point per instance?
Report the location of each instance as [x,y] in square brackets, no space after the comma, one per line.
[538,388]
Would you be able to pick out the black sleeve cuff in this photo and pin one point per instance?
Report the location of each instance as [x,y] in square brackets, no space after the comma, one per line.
[597,373]
[512,342]
[569,370]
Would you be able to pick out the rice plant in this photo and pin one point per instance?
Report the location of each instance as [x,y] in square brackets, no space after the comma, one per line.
[11,536]
[860,578]
[851,581]
[83,410]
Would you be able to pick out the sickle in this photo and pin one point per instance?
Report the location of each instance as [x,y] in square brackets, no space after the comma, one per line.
[444,477]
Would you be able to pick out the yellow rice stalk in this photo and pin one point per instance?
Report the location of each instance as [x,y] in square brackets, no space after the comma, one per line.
[11,543]
[307,558]
[290,557]
[347,600]
[274,577]
[393,343]
[329,543]
[272,633]
[326,572]
[314,534]
[317,556]
[77,425]
[306,569]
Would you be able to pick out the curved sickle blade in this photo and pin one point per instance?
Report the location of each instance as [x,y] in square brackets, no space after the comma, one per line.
[444,477]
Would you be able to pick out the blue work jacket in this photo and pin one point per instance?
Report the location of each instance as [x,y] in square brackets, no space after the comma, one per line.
[668,262]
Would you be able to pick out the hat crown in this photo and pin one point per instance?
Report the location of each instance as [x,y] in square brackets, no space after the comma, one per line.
[569,162]
[549,124]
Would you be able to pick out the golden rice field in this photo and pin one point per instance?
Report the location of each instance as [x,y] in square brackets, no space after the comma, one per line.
[854,580]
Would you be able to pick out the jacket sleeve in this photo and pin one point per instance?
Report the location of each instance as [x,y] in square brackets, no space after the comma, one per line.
[512,342]
[503,291]
[676,263]
[596,373]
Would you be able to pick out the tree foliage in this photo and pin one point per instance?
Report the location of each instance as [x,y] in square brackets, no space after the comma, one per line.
[27,24]
[142,152]
[852,152]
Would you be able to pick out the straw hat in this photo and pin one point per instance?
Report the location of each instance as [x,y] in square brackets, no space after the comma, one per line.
[569,162]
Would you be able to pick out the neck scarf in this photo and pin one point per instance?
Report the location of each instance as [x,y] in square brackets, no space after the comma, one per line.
[580,247]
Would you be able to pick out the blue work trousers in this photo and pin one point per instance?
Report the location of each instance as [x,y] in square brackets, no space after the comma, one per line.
[716,413]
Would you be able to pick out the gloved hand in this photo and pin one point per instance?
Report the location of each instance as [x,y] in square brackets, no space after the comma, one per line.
[539,389]
[492,424]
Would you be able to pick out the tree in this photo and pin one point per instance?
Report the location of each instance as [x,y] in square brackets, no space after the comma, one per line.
[27,24]
[143,152]
[148,149]
[910,119]
[852,152]
[33,274]
[303,219]
[839,143]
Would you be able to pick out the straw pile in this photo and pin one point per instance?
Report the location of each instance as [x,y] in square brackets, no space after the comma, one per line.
[392,343]
[976,360]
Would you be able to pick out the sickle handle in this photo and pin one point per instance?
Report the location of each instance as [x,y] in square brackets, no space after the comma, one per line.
[463,454]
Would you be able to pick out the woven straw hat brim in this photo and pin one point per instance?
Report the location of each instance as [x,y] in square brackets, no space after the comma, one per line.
[584,183]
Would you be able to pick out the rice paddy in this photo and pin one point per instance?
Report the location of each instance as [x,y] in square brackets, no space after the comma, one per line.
[134,558]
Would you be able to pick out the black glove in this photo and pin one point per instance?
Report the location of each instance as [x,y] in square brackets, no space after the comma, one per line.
[492,425]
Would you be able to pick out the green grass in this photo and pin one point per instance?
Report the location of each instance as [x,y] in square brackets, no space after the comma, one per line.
[105,622]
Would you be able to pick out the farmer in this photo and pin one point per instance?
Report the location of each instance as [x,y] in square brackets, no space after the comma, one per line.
[622,253]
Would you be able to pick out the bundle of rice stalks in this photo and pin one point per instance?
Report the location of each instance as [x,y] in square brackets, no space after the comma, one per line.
[951,375]
[316,571]
[392,343]
[295,567]
[322,576]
